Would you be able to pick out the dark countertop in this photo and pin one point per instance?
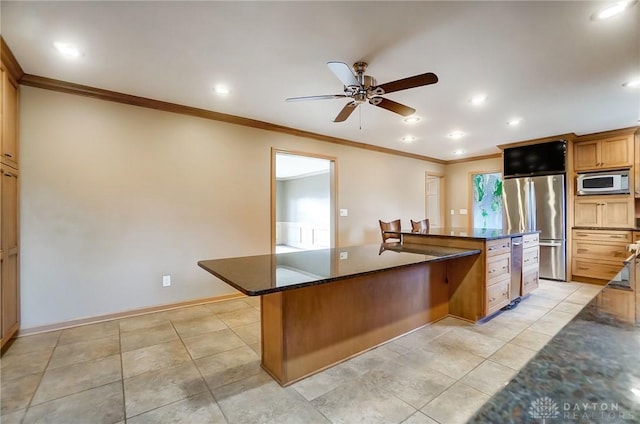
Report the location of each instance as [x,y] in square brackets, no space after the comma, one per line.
[590,370]
[263,274]
[477,233]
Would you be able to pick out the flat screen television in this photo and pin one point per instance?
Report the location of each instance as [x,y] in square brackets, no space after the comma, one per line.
[535,159]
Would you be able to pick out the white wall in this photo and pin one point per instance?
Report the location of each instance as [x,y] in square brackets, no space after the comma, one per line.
[114,196]
[458,186]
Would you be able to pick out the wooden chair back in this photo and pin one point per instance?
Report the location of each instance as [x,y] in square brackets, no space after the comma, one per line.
[389,226]
[419,226]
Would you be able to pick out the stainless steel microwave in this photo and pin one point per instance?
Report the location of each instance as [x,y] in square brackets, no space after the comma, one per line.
[605,182]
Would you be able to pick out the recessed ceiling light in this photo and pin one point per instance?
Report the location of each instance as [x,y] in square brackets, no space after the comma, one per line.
[478,99]
[456,134]
[458,152]
[221,90]
[612,10]
[514,122]
[412,119]
[67,50]
[408,138]
[632,83]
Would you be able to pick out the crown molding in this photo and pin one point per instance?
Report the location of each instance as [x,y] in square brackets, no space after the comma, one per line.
[113,96]
[9,61]
[475,158]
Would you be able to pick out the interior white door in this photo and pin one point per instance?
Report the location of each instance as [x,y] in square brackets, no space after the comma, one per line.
[434,211]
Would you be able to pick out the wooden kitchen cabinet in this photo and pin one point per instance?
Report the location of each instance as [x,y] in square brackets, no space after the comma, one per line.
[608,152]
[599,254]
[498,277]
[530,263]
[9,275]
[9,203]
[9,111]
[636,164]
[618,302]
[604,211]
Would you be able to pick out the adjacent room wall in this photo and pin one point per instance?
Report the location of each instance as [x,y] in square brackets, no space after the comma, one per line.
[458,186]
[115,196]
[307,199]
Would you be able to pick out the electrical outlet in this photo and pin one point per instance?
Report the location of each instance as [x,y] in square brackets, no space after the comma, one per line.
[463,211]
[344,255]
[166,280]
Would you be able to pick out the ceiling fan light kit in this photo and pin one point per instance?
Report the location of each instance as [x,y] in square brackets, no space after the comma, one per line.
[363,88]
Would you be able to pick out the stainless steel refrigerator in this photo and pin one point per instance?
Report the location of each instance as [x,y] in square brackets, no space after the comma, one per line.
[539,203]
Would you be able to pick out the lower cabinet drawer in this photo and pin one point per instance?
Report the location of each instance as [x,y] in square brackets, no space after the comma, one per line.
[530,240]
[498,266]
[529,281]
[498,247]
[530,256]
[591,269]
[497,296]
[600,250]
[602,235]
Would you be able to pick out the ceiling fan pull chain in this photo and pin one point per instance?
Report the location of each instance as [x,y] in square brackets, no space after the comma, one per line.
[360,116]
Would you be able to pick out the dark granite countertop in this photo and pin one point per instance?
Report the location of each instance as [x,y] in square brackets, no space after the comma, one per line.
[476,233]
[263,274]
[588,373]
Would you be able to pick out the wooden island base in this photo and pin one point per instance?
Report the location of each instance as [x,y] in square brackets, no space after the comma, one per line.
[310,329]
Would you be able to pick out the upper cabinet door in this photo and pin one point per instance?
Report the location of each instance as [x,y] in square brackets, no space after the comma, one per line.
[9,133]
[586,155]
[606,153]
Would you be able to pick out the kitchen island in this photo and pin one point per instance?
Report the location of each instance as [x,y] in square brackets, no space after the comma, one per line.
[321,307]
[482,285]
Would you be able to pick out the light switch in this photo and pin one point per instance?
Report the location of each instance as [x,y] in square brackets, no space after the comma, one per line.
[344,212]
[463,211]
[453,212]
[344,255]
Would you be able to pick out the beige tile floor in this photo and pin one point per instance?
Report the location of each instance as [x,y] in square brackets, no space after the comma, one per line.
[201,364]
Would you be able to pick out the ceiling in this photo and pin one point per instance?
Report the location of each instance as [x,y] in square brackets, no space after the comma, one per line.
[296,166]
[545,62]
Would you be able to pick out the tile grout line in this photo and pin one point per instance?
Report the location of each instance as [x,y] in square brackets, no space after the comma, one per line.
[26,409]
[124,395]
[193,361]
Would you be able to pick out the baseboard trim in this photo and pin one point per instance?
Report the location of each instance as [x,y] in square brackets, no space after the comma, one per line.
[125,314]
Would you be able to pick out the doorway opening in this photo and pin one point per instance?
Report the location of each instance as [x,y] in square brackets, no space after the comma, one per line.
[434,206]
[303,206]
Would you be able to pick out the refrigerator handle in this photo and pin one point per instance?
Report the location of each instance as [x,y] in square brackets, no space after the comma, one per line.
[532,206]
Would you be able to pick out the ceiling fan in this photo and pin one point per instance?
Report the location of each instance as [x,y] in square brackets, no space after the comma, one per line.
[362,88]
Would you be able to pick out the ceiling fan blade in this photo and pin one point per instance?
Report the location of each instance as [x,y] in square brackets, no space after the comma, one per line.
[344,73]
[324,97]
[405,83]
[346,111]
[396,107]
